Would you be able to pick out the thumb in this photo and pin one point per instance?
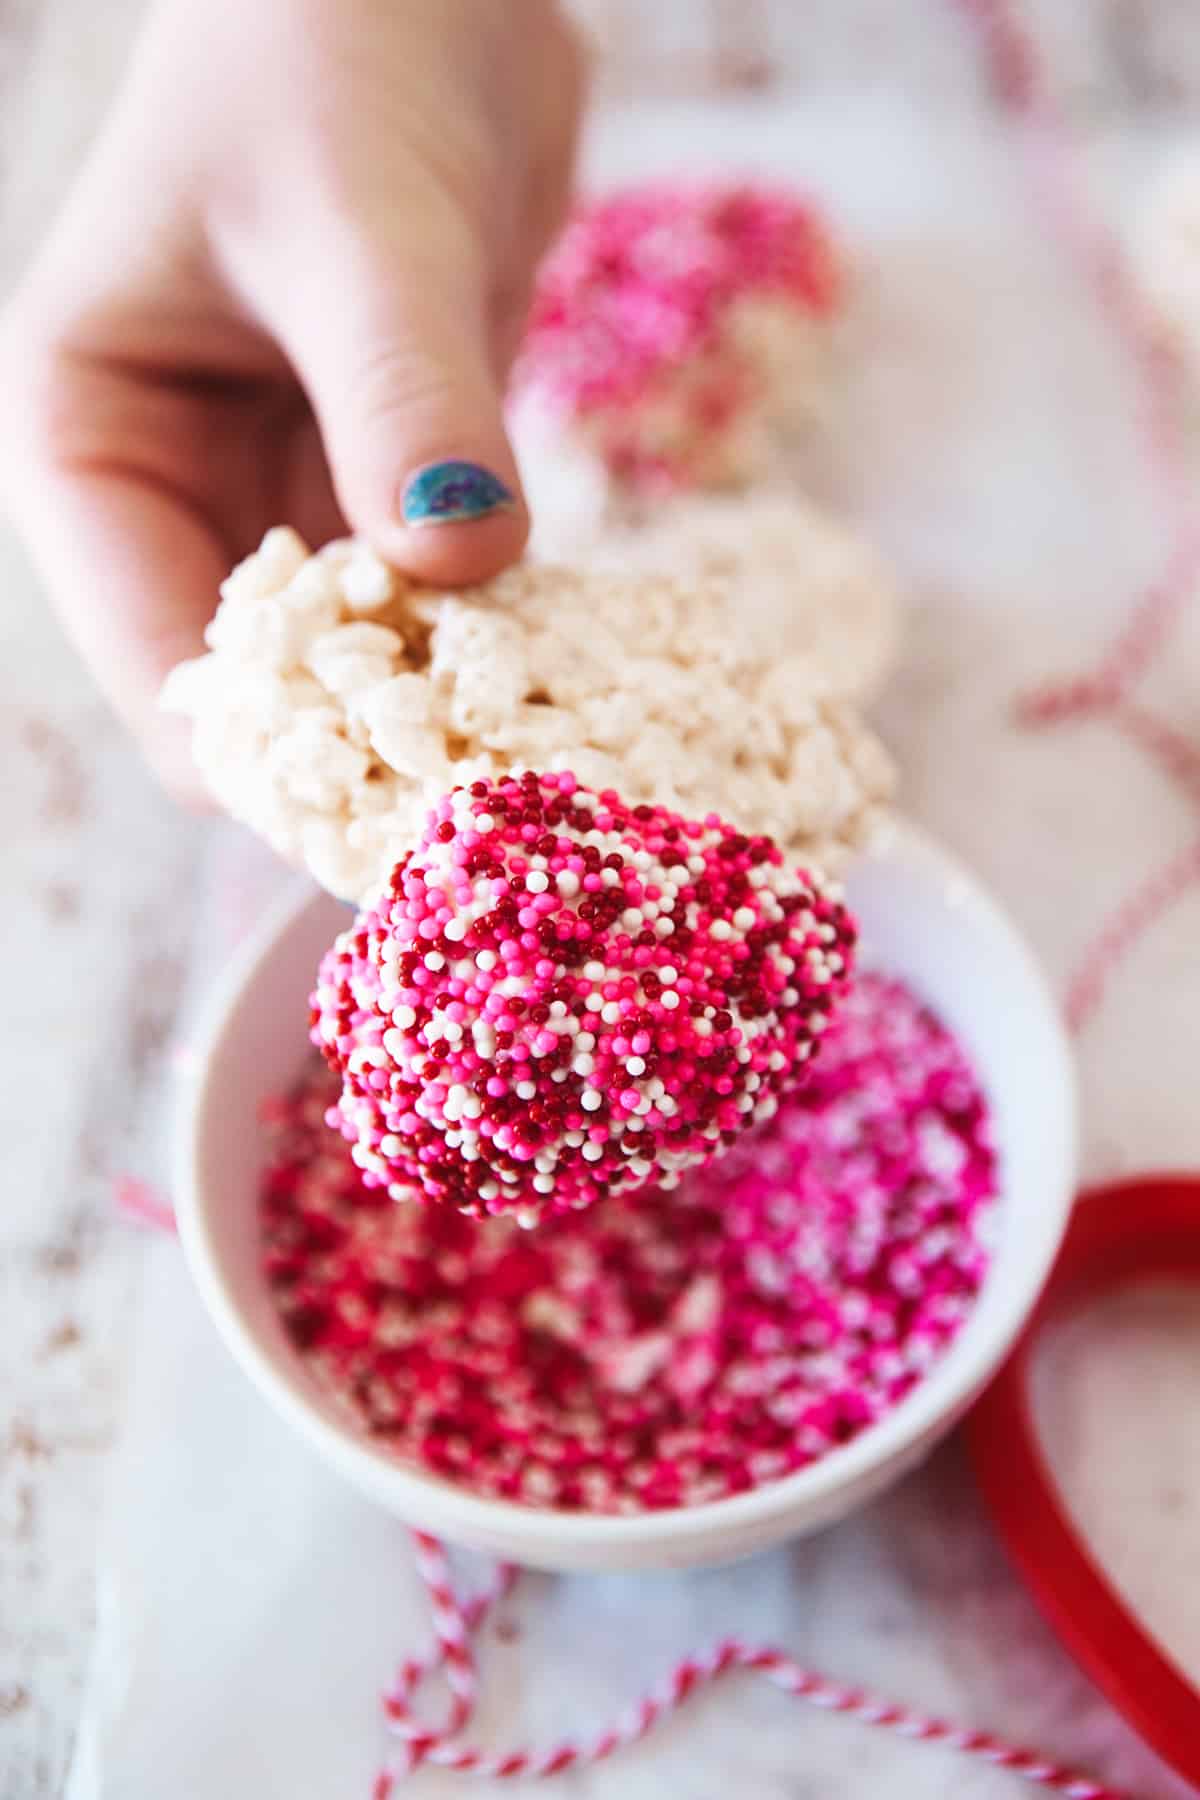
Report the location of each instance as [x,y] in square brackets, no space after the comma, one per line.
[390,337]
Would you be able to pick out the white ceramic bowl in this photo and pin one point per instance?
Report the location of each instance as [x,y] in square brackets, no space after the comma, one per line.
[923,919]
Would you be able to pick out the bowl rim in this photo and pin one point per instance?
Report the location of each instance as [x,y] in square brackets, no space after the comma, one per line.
[941,1396]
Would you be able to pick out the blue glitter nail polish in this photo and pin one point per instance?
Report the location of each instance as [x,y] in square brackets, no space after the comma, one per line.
[453,493]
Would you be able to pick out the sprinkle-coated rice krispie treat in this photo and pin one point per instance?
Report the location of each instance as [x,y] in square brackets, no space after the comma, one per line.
[679,340]
[338,703]
[557,996]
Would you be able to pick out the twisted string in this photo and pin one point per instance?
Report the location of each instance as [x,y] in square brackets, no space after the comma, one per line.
[688,1677]
[1018,76]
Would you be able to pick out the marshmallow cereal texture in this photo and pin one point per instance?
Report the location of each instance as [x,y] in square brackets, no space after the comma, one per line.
[338,702]
[802,581]
[678,340]
[558,996]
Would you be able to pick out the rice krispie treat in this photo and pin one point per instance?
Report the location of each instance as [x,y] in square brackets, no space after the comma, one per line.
[678,340]
[557,997]
[338,702]
[800,580]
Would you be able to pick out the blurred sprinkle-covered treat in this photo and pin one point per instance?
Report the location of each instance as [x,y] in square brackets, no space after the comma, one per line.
[678,341]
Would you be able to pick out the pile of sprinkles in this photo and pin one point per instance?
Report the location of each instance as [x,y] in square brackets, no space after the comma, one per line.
[669,1347]
[558,997]
[642,330]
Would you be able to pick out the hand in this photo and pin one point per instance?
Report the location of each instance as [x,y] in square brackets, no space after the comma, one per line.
[292,274]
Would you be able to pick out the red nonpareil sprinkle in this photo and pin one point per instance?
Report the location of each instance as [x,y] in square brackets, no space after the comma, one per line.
[559,997]
[636,314]
[665,1348]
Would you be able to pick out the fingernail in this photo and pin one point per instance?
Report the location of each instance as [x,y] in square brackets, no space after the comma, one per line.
[453,493]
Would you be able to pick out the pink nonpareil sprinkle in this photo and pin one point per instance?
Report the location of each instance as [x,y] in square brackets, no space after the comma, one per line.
[663,1348]
[635,313]
[559,997]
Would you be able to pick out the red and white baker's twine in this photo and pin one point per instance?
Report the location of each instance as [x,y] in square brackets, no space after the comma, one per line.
[142,1204]
[454,1627]
[1021,82]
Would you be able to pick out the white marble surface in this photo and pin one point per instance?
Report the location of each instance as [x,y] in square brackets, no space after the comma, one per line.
[92,865]
[983,438]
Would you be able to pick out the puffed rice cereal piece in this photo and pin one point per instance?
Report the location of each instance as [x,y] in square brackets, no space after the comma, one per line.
[802,579]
